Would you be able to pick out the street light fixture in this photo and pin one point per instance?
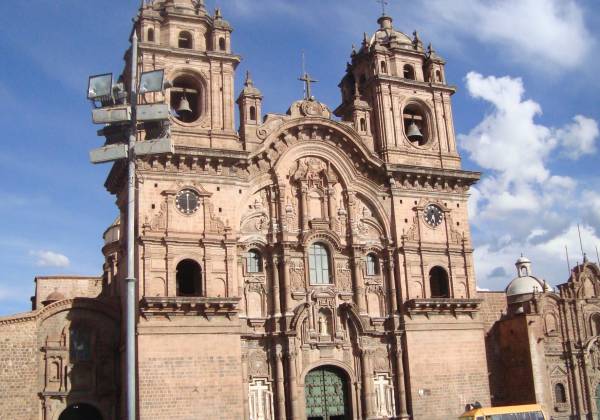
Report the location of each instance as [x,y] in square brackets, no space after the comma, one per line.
[121,121]
[152,81]
[100,87]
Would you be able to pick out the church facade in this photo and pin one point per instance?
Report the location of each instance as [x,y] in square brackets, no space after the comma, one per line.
[299,266]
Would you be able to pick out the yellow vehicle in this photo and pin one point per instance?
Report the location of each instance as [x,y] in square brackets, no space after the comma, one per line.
[513,412]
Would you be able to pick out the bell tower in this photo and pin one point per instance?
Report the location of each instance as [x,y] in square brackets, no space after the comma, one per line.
[194,48]
[404,85]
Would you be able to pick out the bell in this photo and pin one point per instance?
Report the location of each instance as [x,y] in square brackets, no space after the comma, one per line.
[184,106]
[414,134]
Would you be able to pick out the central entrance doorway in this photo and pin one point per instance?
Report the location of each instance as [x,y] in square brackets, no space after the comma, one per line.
[326,390]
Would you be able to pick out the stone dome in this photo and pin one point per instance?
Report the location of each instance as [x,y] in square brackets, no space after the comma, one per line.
[524,285]
[386,33]
[525,282]
[53,297]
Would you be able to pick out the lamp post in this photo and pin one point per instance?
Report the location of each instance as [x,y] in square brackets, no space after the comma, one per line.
[115,113]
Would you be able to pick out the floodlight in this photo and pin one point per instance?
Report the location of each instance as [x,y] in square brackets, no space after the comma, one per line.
[100,86]
[152,81]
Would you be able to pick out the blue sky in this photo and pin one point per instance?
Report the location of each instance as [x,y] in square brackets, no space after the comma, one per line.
[526,114]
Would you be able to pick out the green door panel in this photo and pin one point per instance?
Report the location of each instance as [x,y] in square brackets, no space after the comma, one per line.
[326,394]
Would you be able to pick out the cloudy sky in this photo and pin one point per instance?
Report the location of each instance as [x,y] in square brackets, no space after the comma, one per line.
[526,113]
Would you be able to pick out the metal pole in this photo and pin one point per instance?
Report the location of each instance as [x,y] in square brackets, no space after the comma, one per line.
[131,282]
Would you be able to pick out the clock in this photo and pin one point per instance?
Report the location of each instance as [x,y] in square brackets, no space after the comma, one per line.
[187,201]
[433,215]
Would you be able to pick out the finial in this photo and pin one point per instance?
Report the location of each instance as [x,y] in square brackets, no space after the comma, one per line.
[218,13]
[307,81]
[365,41]
[585,258]
[248,81]
[353,49]
[430,49]
[383,4]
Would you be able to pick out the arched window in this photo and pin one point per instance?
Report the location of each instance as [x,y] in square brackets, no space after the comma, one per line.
[524,272]
[409,72]
[438,76]
[560,394]
[185,40]
[438,283]
[383,66]
[222,44]
[189,278]
[254,262]
[252,113]
[318,264]
[372,265]
[80,345]
[363,125]
[150,36]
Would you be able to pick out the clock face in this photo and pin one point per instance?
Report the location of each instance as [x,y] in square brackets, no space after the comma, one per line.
[433,215]
[187,201]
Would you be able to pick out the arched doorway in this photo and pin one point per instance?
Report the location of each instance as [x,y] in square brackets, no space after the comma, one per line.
[326,391]
[80,412]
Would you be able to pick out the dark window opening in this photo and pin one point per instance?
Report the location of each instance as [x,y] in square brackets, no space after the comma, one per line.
[189,278]
[150,37]
[383,67]
[438,76]
[222,44]
[372,265]
[252,113]
[80,412]
[415,125]
[363,125]
[254,262]
[596,324]
[185,40]
[186,101]
[438,283]
[560,394]
[409,72]
[80,345]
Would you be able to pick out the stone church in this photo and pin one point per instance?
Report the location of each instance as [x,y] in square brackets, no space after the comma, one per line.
[313,264]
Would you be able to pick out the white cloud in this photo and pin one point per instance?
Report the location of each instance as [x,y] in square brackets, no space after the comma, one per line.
[521,205]
[579,137]
[50,259]
[532,31]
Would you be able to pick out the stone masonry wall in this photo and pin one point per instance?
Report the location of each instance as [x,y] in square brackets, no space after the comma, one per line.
[190,376]
[447,369]
[18,370]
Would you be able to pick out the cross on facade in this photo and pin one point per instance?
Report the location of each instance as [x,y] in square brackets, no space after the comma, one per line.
[383,4]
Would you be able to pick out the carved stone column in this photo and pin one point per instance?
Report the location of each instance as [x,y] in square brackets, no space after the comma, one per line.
[304,205]
[275,279]
[392,282]
[330,215]
[359,281]
[280,385]
[293,386]
[401,391]
[245,387]
[286,286]
[367,383]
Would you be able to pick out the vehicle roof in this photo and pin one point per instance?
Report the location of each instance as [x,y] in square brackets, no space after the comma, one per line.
[501,410]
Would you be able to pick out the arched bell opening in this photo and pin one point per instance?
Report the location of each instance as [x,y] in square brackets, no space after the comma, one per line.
[80,412]
[186,99]
[416,124]
[327,394]
[189,278]
[438,283]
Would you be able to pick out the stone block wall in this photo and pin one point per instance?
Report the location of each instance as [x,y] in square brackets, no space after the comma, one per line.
[190,376]
[447,369]
[18,369]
